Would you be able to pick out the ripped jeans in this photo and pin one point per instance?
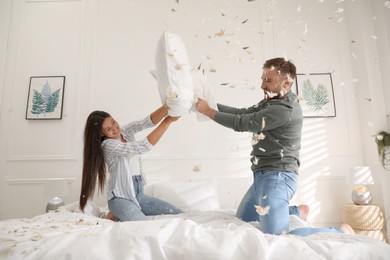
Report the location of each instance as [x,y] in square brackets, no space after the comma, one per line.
[272,191]
[126,210]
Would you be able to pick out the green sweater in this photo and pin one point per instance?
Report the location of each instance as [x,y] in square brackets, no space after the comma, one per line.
[277,129]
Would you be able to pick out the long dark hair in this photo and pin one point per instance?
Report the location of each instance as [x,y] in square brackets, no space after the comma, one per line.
[94,167]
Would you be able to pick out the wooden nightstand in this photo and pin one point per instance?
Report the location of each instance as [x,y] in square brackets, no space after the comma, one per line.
[366,220]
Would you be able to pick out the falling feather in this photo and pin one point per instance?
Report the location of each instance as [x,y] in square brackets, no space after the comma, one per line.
[305,30]
[262,211]
[257,137]
[271,94]
[197,168]
[220,33]
[170,94]
[212,69]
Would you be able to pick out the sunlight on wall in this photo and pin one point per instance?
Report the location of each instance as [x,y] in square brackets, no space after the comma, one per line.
[314,153]
[313,143]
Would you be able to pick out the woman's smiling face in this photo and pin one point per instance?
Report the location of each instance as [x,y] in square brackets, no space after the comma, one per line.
[111,129]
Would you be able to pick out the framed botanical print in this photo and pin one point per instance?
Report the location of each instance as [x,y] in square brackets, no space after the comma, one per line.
[45,97]
[316,96]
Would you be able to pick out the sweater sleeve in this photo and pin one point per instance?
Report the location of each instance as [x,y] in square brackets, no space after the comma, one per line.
[268,118]
[238,111]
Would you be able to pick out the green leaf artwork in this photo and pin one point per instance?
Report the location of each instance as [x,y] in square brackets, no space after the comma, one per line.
[45,101]
[315,98]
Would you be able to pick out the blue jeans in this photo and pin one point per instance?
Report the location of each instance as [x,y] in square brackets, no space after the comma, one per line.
[273,189]
[126,210]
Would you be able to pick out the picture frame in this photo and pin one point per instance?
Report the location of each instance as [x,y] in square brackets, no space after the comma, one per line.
[45,98]
[316,95]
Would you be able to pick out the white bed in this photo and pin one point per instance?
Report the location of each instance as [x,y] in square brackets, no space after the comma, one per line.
[69,234]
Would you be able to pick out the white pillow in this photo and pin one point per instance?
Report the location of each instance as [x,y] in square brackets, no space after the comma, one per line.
[297,222]
[204,90]
[90,208]
[197,196]
[173,72]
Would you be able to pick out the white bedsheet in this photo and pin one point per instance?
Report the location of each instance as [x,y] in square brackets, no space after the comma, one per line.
[192,235]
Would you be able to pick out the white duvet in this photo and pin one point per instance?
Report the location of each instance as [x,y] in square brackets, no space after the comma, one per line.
[192,235]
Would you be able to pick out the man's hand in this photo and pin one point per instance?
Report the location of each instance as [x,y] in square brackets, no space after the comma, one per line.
[204,108]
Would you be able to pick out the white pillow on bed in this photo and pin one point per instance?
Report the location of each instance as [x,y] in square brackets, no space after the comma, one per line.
[197,196]
[173,73]
[90,209]
[297,222]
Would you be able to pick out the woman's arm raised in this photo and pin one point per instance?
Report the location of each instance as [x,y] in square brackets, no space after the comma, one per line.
[159,114]
[156,134]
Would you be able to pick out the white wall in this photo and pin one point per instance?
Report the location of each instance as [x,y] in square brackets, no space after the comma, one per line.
[106,49]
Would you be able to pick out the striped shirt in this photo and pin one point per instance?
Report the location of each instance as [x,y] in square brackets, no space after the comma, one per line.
[123,160]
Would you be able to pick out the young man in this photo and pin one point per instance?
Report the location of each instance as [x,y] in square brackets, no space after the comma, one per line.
[276,124]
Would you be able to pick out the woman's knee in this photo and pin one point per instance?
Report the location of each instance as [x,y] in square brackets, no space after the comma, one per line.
[125,210]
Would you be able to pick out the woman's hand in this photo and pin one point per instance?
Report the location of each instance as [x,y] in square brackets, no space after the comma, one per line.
[159,114]
[171,119]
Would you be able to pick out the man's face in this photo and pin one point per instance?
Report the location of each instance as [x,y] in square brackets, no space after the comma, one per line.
[273,83]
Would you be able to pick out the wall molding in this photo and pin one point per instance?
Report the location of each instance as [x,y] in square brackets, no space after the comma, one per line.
[176,157]
[22,181]
[39,1]
[41,158]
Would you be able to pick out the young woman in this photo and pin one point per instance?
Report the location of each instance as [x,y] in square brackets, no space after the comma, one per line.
[109,147]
